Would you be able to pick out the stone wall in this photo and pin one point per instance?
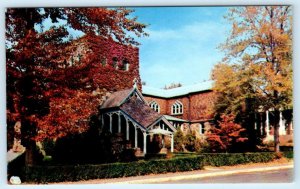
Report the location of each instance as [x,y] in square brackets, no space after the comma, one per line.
[106,58]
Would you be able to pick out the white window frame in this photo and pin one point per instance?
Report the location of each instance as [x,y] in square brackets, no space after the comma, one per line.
[155,106]
[177,108]
[201,128]
[125,65]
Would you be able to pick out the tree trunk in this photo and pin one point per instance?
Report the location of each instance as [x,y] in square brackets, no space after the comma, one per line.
[29,156]
[276,131]
[276,138]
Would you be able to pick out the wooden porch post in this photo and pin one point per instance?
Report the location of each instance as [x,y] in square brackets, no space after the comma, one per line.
[145,143]
[281,125]
[119,122]
[255,121]
[172,143]
[102,121]
[127,130]
[267,123]
[261,124]
[135,139]
[110,123]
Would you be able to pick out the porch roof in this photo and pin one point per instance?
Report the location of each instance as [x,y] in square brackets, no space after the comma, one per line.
[159,131]
[171,118]
[132,103]
[140,112]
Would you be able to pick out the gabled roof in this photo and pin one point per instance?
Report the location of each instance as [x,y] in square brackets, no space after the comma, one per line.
[132,103]
[180,91]
[140,112]
[116,99]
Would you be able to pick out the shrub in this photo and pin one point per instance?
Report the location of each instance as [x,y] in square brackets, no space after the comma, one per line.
[190,141]
[45,174]
[288,154]
[150,156]
[156,145]
[227,159]
[179,140]
[128,155]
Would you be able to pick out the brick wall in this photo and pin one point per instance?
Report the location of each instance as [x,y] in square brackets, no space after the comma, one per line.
[197,106]
[202,105]
[161,102]
[185,101]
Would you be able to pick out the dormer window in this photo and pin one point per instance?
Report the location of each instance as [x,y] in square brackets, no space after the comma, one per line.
[154,106]
[177,108]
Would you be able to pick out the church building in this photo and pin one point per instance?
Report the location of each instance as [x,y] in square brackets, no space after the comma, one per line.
[191,108]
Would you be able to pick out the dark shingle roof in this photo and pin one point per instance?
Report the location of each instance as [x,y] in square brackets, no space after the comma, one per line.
[116,98]
[140,111]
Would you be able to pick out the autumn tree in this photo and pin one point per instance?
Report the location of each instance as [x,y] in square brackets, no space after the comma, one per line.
[226,135]
[257,65]
[47,94]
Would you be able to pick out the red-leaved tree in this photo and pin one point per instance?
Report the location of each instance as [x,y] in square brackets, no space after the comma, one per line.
[227,134]
[50,96]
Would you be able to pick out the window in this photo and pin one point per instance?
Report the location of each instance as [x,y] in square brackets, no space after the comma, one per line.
[201,128]
[115,62]
[177,108]
[154,106]
[103,62]
[125,65]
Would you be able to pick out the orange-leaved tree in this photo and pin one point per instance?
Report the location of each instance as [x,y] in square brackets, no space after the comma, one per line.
[226,135]
[258,61]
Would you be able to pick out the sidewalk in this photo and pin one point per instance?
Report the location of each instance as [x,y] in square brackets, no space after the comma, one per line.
[207,172]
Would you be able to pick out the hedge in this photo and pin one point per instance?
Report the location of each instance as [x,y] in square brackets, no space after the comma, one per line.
[288,154]
[46,174]
[227,159]
[181,162]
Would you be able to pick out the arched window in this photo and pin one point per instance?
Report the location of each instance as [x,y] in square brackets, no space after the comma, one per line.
[177,108]
[154,106]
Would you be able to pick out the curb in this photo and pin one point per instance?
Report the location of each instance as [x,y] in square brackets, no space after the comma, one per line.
[201,175]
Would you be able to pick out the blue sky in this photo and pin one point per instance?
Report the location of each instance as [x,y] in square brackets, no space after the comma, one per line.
[182,43]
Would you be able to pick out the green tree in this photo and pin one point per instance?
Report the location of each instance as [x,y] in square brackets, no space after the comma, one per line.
[258,57]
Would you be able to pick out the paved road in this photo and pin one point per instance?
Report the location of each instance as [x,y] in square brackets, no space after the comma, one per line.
[278,176]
